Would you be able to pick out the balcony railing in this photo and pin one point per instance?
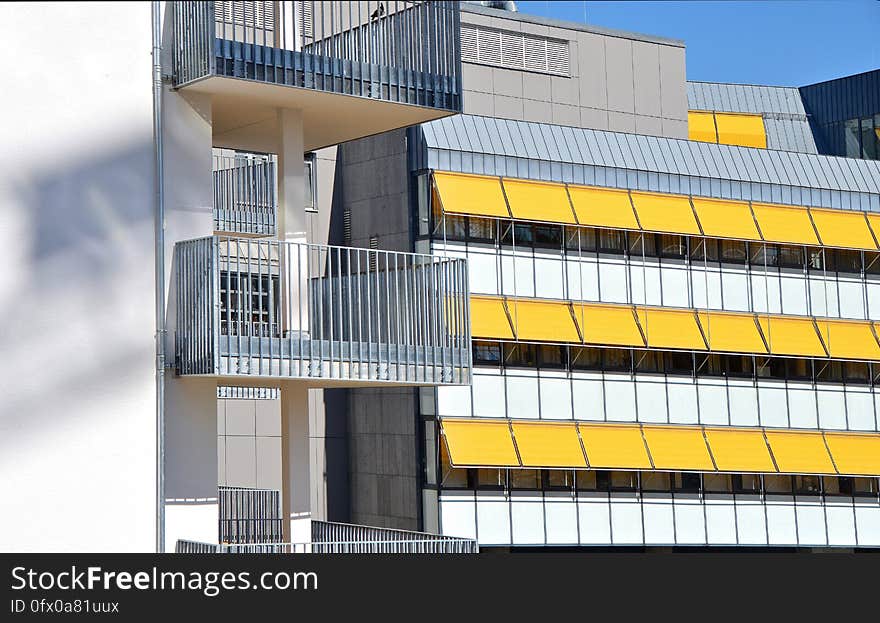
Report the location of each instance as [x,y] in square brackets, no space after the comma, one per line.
[250,515]
[244,197]
[271,308]
[398,51]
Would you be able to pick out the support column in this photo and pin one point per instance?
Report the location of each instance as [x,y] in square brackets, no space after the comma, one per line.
[291,176]
[295,471]
[191,506]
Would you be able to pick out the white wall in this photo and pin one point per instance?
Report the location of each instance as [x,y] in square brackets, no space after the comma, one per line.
[77,450]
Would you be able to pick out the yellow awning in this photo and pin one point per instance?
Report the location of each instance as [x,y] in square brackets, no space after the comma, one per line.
[741,129]
[538,201]
[612,446]
[855,454]
[471,194]
[603,207]
[542,321]
[549,444]
[701,127]
[665,213]
[733,333]
[788,335]
[739,450]
[678,448]
[726,219]
[844,229]
[671,328]
[800,452]
[786,224]
[611,325]
[848,339]
[489,319]
[479,443]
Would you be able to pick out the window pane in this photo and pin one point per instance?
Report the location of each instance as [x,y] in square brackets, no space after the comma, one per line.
[746,483]
[487,353]
[869,139]
[520,355]
[548,236]
[733,251]
[777,484]
[551,356]
[617,359]
[490,478]
[648,361]
[672,246]
[806,485]
[481,229]
[851,138]
[640,244]
[611,241]
[704,249]
[678,363]
[655,481]
[848,261]
[763,255]
[798,369]
[717,483]
[559,479]
[686,482]
[791,257]
[586,481]
[525,479]
[586,358]
[865,486]
[624,481]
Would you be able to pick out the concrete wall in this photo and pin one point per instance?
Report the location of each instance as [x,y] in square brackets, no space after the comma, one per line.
[77,419]
[621,82]
[249,443]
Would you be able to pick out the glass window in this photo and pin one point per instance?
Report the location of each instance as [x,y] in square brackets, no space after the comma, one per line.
[739,365]
[617,359]
[525,479]
[763,255]
[587,480]
[848,261]
[642,244]
[548,236]
[550,356]
[558,479]
[815,259]
[517,234]
[580,238]
[837,485]
[624,481]
[487,353]
[746,483]
[712,365]
[520,355]
[770,368]
[799,369]
[774,483]
[807,485]
[678,363]
[586,358]
[481,229]
[649,361]
[851,138]
[856,372]
[655,481]
[704,249]
[829,371]
[872,265]
[791,257]
[869,139]
[865,486]
[686,482]
[452,227]
[733,251]
[491,478]
[451,477]
[672,246]
[611,241]
[717,483]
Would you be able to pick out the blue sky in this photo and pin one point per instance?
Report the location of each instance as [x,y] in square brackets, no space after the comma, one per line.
[777,42]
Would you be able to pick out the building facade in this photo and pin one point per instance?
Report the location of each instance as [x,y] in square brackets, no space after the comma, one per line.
[673,339]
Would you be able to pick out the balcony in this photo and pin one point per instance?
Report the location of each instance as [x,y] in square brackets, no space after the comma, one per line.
[354,68]
[245,198]
[335,316]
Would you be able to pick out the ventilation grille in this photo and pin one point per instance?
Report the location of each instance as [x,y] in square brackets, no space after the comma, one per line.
[346,227]
[516,50]
[374,257]
[252,14]
[306,21]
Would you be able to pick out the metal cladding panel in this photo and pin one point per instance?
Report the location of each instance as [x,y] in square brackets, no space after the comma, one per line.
[744,98]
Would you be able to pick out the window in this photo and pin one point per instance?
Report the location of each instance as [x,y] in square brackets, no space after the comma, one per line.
[520,355]
[617,359]
[851,135]
[678,363]
[807,485]
[558,479]
[551,356]
[717,483]
[763,255]
[837,485]
[865,486]
[799,369]
[249,304]
[649,361]
[856,372]
[451,477]
[525,479]
[776,484]
[869,139]
[481,229]
[848,261]
[581,239]
[746,483]
[491,478]
[623,481]
[671,246]
[611,241]
[655,481]
[829,372]
[733,251]
[587,481]
[686,482]
[548,236]
[705,249]
[487,353]
[311,175]
[791,257]
[586,358]
[770,368]
[642,244]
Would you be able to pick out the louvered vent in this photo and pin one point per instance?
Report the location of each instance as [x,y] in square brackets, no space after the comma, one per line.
[253,14]
[306,21]
[516,50]
[346,227]
[374,257]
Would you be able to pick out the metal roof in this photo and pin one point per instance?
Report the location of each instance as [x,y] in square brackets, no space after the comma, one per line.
[543,151]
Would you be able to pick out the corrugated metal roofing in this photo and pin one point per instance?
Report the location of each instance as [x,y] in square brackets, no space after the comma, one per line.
[785,120]
[548,152]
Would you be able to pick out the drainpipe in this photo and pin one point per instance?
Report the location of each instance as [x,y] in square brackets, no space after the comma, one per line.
[159,238]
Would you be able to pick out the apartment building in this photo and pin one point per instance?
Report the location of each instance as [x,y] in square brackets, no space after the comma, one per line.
[674,290]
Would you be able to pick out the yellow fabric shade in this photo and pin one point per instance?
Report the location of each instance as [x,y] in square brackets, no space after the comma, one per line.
[603,207]
[726,219]
[739,450]
[614,447]
[785,224]
[741,129]
[612,325]
[538,201]
[480,443]
[788,335]
[671,328]
[733,333]
[665,213]
[849,340]
[489,319]
[679,448]
[543,321]
[844,229]
[548,444]
[471,194]
[800,452]
[855,454]
[701,127]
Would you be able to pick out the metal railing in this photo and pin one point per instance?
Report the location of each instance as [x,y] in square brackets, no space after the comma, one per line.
[250,515]
[394,50]
[244,198]
[263,307]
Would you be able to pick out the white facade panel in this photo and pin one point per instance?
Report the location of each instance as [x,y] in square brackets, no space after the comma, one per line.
[832,406]
[706,288]
[645,283]
[751,526]
[527,520]
[743,398]
[458,515]
[690,521]
[720,520]
[852,299]
[675,286]
[626,520]
[522,395]
[794,294]
[493,519]
[555,398]
[620,398]
[772,403]
[588,396]
[682,399]
[612,281]
[859,408]
[583,279]
[781,521]
[519,282]
[811,523]
[488,395]
[594,519]
[712,396]
[766,292]
[802,406]
[454,401]
[840,521]
[549,277]
[867,523]
[483,272]
[735,290]
[823,297]
[873,294]
[658,517]
[651,399]
[561,519]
